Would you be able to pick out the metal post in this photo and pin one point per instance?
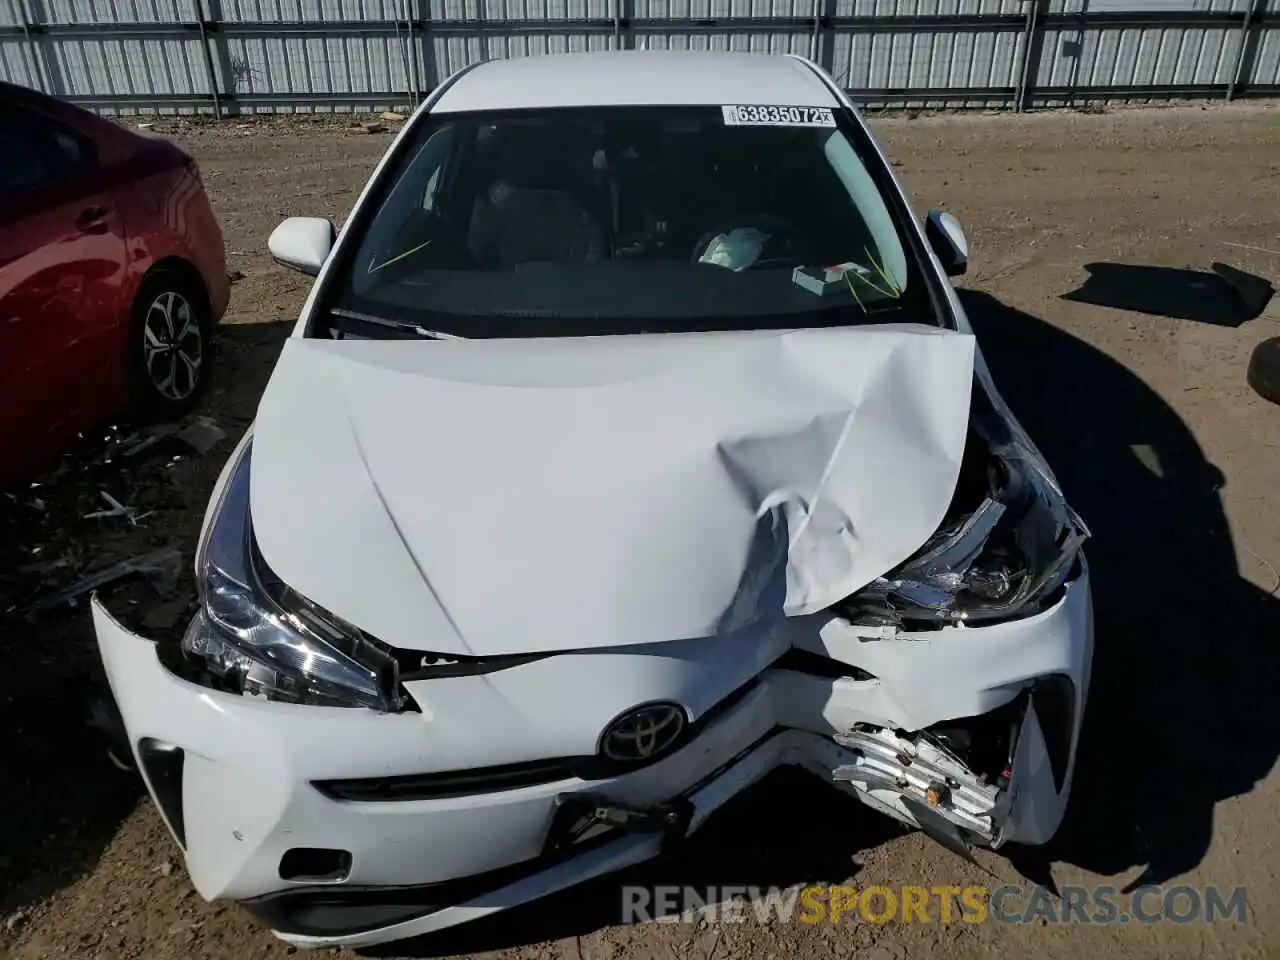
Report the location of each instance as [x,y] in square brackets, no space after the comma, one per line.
[37,60]
[1241,49]
[1024,68]
[617,24]
[210,73]
[410,51]
[419,80]
[815,38]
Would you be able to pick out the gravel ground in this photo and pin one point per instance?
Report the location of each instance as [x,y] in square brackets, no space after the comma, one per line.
[1148,421]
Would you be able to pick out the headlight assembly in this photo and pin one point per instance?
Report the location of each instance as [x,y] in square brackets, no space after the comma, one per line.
[255,636]
[1003,560]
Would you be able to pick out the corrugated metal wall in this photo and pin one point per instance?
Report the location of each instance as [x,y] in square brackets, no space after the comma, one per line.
[249,55]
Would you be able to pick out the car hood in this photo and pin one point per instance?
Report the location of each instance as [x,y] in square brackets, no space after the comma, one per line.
[503,496]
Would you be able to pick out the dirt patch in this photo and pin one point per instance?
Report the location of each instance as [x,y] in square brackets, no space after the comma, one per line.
[1149,422]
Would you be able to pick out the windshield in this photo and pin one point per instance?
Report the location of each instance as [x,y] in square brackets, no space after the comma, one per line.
[626,220]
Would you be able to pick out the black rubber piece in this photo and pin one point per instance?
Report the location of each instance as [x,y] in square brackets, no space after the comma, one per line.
[1264,369]
[1222,296]
[1253,291]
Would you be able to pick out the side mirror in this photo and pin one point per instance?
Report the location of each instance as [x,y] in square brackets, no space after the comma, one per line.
[946,237]
[302,243]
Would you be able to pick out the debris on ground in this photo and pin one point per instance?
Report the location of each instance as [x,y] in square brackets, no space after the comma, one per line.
[202,434]
[373,127]
[161,567]
[117,509]
[34,569]
[126,446]
[235,276]
[392,116]
[35,503]
[139,442]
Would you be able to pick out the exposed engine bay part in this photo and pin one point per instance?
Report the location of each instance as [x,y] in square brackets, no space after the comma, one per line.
[958,780]
[918,769]
[1006,547]
[579,818]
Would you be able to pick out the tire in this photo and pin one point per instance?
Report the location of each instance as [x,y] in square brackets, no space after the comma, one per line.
[169,346]
[1264,369]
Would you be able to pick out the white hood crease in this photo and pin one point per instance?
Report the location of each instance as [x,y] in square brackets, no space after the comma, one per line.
[501,496]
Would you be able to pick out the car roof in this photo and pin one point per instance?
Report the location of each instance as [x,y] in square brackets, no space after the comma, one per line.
[84,121]
[14,93]
[637,78]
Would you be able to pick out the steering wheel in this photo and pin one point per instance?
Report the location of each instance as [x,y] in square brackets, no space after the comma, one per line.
[784,237]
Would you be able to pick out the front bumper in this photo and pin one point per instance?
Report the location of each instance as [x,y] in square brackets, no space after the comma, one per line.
[241,783]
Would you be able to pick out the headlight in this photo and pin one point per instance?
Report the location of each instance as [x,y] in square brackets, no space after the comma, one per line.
[255,636]
[1003,560]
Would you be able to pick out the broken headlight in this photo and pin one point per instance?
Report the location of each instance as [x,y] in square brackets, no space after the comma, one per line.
[1002,560]
[255,636]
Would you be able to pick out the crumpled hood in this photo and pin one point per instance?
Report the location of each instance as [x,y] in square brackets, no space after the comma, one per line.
[501,496]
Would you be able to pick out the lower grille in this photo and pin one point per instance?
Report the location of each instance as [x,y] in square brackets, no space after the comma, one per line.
[457,783]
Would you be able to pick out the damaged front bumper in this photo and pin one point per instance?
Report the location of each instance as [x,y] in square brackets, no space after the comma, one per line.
[348,827]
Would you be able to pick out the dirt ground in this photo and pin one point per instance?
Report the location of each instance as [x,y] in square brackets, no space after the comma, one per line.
[1158,440]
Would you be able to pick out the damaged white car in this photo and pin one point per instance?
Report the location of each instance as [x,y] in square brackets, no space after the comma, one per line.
[631,443]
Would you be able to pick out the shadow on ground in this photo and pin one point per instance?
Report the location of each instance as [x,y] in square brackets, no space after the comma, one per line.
[61,799]
[1223,296]
[1182,711]
[1182,707]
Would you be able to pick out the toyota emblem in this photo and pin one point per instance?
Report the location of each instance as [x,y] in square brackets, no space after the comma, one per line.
[644,733]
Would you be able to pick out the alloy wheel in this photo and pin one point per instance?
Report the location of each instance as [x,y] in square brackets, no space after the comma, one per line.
[174,346]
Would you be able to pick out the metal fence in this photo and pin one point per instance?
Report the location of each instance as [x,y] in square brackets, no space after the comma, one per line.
[237,56]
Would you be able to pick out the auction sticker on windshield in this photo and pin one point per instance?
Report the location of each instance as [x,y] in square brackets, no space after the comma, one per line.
[747,115]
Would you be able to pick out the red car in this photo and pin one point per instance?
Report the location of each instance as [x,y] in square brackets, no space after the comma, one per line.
[112,275]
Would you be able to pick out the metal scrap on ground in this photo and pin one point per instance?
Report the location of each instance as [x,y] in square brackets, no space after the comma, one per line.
[161,567]
[117,509]
[202,434]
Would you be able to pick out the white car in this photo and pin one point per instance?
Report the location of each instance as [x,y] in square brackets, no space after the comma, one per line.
[631,443]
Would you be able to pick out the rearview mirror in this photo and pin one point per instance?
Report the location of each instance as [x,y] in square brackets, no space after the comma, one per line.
[946,237]
[302,243]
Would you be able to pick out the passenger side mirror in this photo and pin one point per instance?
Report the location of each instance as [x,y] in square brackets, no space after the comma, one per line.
[302,243]
[946,237]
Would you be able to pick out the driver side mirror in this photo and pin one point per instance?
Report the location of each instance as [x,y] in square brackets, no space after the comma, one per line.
[302,243]
[946,237]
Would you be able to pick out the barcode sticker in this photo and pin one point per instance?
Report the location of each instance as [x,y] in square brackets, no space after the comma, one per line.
[748,115]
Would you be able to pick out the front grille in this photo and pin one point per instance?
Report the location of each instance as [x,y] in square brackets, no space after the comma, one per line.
[511,776]
[456,783]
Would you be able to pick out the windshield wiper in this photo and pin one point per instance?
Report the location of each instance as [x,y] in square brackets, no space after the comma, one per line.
[398,325]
